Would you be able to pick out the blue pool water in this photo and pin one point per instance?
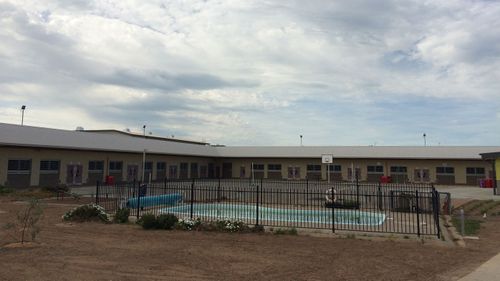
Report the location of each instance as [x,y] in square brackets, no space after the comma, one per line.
[243,212]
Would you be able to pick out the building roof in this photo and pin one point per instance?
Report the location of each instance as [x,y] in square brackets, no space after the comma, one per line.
[373,152]
[113,131]
[27,136]
[490,155]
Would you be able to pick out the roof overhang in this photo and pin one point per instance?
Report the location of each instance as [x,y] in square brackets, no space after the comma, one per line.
[490,155]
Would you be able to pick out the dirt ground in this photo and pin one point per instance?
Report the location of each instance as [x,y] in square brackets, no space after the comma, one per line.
[93,251]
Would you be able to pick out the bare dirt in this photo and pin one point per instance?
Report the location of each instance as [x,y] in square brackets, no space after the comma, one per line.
[94,251]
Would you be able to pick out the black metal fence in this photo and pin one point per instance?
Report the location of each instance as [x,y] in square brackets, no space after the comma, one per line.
[350,206]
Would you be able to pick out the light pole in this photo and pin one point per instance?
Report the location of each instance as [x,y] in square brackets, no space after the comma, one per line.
[22,114]
[425,141]
[143,153]
[300,140]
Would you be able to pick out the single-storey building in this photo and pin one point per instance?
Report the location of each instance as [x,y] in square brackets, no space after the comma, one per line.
[494,159]
[35,156]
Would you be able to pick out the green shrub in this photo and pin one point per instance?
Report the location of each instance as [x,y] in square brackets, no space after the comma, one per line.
[89,212]
[57,188]
[148,221]
[163,221]
[121,215]
[285,231]
[471,226]
[188,224]
[167,221]
[5,190]
[231,226]
[257,228]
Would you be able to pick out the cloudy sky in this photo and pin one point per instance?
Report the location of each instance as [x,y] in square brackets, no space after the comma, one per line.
[257,72]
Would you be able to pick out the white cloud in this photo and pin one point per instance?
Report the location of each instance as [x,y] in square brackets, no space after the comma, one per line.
[254,72]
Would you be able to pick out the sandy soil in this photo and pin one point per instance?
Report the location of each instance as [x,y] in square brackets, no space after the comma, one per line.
[93,251]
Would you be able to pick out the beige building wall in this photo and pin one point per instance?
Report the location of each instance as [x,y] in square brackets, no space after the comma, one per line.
[67,157]
[411,165]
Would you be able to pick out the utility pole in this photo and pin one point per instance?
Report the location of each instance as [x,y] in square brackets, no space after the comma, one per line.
[143,154]
[22,114]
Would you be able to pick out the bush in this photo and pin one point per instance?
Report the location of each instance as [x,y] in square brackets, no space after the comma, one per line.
[5,190]
[285,231]
[121,215]
[89,212]
[167,221]
[231,226]
[187,224]
[56,189]
[148,221]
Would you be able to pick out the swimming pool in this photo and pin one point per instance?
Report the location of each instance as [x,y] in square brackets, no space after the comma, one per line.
[246,212]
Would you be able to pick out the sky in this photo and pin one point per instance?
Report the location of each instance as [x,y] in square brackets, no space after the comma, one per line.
[257,72]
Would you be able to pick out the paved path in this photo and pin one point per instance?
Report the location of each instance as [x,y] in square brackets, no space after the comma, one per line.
[489,270]
[469,192]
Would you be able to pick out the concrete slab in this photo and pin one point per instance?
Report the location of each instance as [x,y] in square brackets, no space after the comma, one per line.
[469,192]
[489,270]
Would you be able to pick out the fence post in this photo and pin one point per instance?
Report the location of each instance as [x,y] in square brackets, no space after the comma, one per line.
[138,199]
[418,213]
[357,190]
[257,204]
[164,185]
[437,206]
[192,199]
[333,212]
[218,191]
[379,197]
[97,193]
[462,222]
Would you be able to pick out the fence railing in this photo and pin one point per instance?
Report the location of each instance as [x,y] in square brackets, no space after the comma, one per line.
[349,206]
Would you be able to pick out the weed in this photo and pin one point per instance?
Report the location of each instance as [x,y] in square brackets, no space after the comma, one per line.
[471,226]
[121,215]
[27,222]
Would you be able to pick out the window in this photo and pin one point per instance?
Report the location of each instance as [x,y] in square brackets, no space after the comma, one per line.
[19,165]
[148,166]
[335,168]
[274,167]
[375,169]
[314,168]
[49,165]
[203,171]
[475,171]
[184,166]
[161,166]
[258,167]
[97,166]
[398,169]
[115,165]
[445,170]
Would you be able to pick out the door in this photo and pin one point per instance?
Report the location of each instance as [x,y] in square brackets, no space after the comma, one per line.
[132,171]
[74,174]
[294,172]
[422,175]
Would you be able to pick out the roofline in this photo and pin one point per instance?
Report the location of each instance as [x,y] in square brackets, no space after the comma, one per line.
[102,150]
[145,136]
[490,155]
